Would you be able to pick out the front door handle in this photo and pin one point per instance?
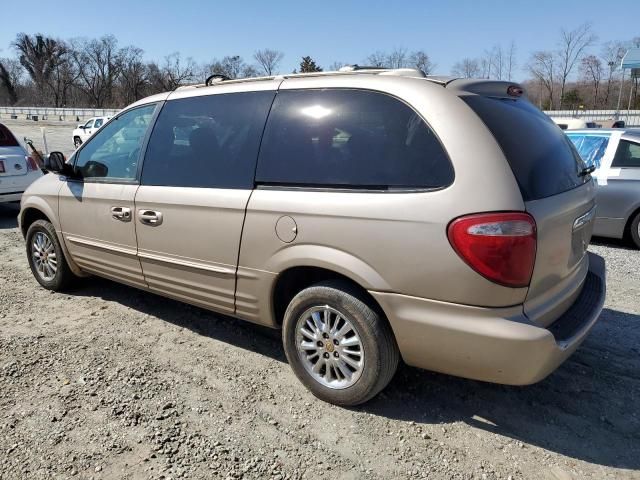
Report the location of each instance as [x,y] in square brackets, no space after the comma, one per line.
[121,213]
[150,217]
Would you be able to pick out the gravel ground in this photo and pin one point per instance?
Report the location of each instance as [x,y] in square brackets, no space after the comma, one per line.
[107,382]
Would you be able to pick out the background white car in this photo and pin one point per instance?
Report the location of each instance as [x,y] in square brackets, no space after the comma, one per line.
[85,130]
[17,168]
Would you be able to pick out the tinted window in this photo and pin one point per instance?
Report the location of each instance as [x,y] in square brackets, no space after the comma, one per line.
[89,124]
[627,155]
[113,151]
[209,141]
[6,138]
[349,138]
[98,123]
[541,156]
[590,147]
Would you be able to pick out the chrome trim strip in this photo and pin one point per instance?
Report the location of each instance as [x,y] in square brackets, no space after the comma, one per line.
[187,263]
[101,245]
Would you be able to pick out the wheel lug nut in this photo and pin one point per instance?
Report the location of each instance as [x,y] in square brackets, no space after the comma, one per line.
[336,354]
[319,343]
[325,355]
[325,335]
[335,342]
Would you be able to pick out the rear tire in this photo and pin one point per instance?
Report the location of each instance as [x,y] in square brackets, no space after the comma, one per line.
[46,257]
[338,345]
[634,231]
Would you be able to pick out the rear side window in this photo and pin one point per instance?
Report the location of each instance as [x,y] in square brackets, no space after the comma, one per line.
[627,155]
[590,147]
[6,138]
[350,139]
[542,158]
[207,141]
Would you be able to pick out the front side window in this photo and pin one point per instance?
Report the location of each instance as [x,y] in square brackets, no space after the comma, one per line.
[112,153]
[207,141]
[627,155]
[89,124]
[350,139]
[590,147]
[98,123]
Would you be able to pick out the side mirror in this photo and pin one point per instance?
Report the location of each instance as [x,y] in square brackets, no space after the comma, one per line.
[55,162]
[81,126]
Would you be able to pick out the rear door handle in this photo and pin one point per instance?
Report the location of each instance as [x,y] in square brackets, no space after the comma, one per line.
[150,217]
[121,213]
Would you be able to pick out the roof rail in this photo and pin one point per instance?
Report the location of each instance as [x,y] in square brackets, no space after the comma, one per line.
[355,67]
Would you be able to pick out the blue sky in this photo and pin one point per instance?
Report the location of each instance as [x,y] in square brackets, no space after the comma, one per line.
[327,30]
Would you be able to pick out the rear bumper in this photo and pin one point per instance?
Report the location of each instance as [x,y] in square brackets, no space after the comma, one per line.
[492,344]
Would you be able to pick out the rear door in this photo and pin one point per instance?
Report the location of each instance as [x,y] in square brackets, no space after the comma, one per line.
[197,178]
[557,193]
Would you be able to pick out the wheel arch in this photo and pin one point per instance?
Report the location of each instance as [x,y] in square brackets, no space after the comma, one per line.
[293,280]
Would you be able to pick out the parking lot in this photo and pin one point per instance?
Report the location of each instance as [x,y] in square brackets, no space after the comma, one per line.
[108,382]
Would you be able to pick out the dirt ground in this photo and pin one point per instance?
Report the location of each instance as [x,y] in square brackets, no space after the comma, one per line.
[107,382]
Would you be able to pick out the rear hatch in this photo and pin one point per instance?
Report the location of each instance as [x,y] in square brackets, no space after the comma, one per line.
[557,192]
[12,156]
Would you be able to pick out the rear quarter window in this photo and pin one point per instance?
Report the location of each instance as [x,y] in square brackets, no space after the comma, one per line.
[347,138]
[543,160]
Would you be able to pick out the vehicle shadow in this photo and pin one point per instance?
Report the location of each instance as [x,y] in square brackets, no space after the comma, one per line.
[9,215]
[587,409]
[622,244]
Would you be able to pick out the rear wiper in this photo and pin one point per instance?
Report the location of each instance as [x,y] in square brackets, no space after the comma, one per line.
[587,170]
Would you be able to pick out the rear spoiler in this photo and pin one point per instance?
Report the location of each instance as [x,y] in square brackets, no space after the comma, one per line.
[486,88]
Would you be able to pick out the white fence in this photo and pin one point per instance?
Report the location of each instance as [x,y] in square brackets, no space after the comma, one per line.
[49,113]
[631,117]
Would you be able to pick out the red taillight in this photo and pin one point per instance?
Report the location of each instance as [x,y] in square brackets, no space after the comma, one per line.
[499,246]
[32,165]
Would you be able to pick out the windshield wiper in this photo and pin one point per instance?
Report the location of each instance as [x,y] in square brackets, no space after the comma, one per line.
[587,170]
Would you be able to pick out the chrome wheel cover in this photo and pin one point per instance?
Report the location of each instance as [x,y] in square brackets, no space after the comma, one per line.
[43,254]
[329,347]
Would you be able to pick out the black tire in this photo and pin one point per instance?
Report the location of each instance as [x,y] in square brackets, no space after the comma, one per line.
[76,142]
[634,231]
[380,358]
[63,276]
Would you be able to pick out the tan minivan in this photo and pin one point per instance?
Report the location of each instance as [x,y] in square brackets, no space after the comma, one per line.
[373,215]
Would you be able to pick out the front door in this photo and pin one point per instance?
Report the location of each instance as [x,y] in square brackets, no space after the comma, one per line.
[97,205]
[196,181]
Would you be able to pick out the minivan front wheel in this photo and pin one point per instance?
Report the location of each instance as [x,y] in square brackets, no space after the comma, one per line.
[338,346]
[46,258]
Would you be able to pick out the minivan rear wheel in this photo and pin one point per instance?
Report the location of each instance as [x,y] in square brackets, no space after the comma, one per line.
[46,257]
[338,346]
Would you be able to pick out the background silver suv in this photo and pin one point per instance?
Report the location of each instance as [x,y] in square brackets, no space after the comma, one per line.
[372,215]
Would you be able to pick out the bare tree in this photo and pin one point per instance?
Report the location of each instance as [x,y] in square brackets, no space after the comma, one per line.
[612,53]
[511,60]
[397,58]
[230,66]
[591,70]
[133,75]
[420,60]
[377,59]
[542,66]
[573,44]
[40,56]
[335,66]
[10,76]
[177,71]
[98,64]
[268,60]
[466,68]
